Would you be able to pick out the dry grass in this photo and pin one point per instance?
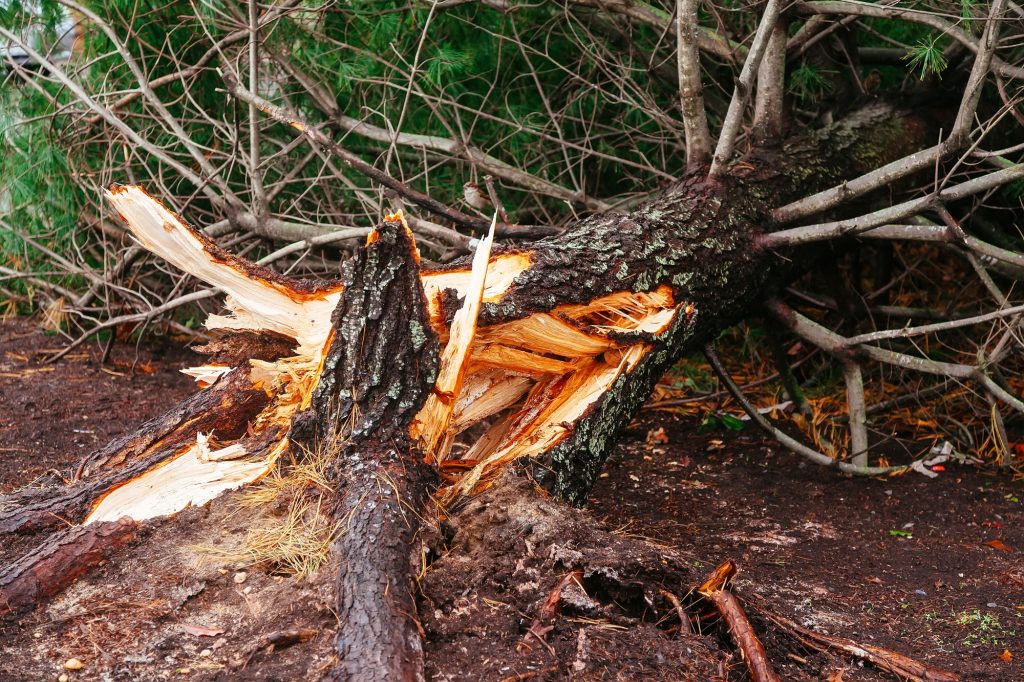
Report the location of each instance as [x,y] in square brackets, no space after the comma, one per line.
[297,543]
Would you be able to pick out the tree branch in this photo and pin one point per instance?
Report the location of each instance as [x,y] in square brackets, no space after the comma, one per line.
[351,160]
[771,89]
[691,87]
[852,226]
[788,441]
[865,9]
[887,174]
[744,84]
[834,343]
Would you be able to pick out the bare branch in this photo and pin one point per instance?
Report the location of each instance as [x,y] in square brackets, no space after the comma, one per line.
[691,87]
[326,103]
[211,173]
[351,160]
[707,40]
[744,85]
[783,438]
[887,174]
[894,213]
[866,9]
[858,413]
[255,173]
[836,344]
[771,89]
[113,120]
[937,233]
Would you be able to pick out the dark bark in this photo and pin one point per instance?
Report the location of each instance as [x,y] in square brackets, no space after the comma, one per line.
[381,365]
[58,562]
[699,238]
[223,409]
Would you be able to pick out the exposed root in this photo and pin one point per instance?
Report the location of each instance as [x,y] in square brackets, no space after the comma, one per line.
[742,632]
[61,560]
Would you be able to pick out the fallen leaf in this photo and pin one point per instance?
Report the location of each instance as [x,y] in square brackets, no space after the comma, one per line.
[876,581]
[1000,545]
[1006,656]
[657,435]
[202,630]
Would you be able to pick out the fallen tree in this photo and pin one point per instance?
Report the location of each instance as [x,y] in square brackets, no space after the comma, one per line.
[421,384]
[552,347]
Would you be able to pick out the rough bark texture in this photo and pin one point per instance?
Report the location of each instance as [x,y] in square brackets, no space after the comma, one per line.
[60,561]
[380,367]
[225,409]
[697,237]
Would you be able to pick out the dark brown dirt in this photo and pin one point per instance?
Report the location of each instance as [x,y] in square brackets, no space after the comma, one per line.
[55,414]
[931,568]
[835,554]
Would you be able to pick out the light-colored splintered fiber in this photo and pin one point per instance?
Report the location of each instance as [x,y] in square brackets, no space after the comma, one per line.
[255,303]
[431,424]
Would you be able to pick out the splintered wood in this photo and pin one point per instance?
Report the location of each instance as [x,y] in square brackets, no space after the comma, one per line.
[524,383]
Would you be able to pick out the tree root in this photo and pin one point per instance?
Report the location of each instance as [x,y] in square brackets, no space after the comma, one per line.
[714,590]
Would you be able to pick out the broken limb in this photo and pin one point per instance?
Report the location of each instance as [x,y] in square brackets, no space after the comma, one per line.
[784,438]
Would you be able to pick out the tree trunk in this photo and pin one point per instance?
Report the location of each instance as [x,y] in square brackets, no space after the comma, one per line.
[573,333]
[377,374]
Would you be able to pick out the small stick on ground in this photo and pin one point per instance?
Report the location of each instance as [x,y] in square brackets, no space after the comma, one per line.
[281,639]
[742,632]
[541,624]
[903,667]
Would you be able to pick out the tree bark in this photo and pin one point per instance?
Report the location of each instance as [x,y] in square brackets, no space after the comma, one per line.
[699,238]
[379,369]
[688,261]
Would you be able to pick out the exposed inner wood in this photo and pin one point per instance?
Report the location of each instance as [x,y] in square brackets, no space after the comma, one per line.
[527,381]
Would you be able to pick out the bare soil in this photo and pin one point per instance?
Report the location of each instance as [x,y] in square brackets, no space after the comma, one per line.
[928,567]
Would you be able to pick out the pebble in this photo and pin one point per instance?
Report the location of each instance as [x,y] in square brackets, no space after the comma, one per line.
[221,641]
[240,577]
[205,653]
[63,677]
[73,664]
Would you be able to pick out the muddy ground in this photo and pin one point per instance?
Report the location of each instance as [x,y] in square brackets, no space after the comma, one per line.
[929,567]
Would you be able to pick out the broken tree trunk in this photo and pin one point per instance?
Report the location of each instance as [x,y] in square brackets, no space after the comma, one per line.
[377,373]
[556,346]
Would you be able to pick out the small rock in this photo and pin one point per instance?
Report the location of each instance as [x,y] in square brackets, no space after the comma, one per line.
[73,664]
[37,634]
[205,653]
[240,577]
[63,677]
[247,590]
[921,593]
[219,643]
